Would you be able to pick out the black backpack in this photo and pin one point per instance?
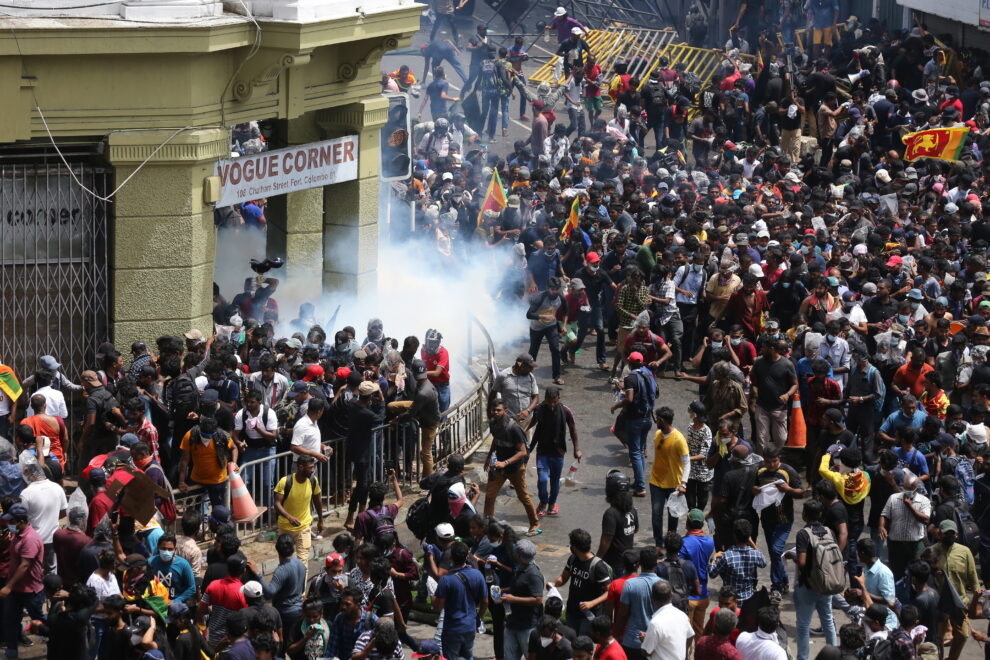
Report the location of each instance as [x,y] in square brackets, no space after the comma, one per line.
[383,522]
[969,531]
[183,397]
[879,649]
[658,97]
[678,584]
[418,518]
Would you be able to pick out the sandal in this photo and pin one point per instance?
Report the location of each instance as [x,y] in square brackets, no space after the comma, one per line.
[534,532]
[558,381]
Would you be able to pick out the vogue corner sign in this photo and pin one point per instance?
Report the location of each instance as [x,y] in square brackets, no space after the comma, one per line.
[287,170]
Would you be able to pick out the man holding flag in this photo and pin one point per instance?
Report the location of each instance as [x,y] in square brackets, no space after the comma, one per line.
[10,391]
[494,199]
[937,143]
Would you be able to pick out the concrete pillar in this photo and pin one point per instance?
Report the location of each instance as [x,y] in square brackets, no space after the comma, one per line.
[295,220]
[351,221]
[164,241]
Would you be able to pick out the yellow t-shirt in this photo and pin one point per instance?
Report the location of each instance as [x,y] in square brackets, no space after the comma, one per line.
[206,469]
[297,504]
[667,459]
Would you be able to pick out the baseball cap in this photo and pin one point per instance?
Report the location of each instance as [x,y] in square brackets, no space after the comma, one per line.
[299,387]
[177,609]
[367,388]
[128,440]
[696,515]
[292,342]
[848,296]
[90,378]
[134,560]
[635,356]
[252,589]
[48,362]
[948,526]
[342,373]
[195,335]
[894,261]
[592,258]
[334,560]
[209,396]
[313,372]
[16,511]
[445,531]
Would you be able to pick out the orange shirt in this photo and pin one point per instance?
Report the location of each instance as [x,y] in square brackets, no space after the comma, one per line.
[46,427]
[912,379]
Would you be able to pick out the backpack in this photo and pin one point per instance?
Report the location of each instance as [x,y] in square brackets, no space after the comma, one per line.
[383,522]
[183,397]
[646,393]
[291,479]
[880,649]
[418,517]
[969,531]
[488,77]
[658,97]
[263,417]
[827,575]
[691,85]
[678,584]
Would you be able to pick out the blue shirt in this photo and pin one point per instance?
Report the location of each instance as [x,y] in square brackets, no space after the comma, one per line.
[698,548]
[738,567]
[914,459]
[880,582]
[637,596]
[287,585]
[898,419]
[177,576]
[460,600]
[822,13]
[343,635]
[692,280]
[543,267]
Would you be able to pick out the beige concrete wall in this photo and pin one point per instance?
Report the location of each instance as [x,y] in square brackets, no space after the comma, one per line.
[164,240]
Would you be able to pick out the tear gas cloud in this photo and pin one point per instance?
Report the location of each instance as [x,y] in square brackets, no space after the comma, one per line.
[417,289]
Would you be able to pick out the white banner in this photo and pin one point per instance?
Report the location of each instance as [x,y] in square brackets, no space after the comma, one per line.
[283,171]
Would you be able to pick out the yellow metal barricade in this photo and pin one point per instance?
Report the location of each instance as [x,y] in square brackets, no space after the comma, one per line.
[609,47]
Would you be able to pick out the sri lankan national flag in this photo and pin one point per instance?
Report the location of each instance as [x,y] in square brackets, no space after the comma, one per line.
[938,143]
[572,219]
[9,383]
[494,198]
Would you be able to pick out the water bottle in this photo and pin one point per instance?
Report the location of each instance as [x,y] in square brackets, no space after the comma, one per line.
[572,473]
[491,464]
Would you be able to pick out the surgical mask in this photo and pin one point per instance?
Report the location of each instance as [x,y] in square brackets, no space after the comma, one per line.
[724,439]
[593,269]
[546,641]
[205,439]
[549,253]
[830,339]
[903,319]
[697,267]
[12,529]
[785,285]
[717,344]
[167,555]
[735,341]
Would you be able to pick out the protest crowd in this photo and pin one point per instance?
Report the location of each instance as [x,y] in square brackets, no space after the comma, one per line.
[770,240]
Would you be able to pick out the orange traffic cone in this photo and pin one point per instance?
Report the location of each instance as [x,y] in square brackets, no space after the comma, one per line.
[797,432]
[244,508]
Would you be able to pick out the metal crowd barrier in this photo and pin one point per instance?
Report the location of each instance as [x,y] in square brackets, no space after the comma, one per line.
[611,46]
[462,429]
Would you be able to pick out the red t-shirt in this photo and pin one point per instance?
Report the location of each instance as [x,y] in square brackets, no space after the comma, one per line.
[711,647]
[649,346]
[908,378]
[615,594]
[225,592]
[27,545]
[735,631]
[746,353]
[441,359]
[611,652]
[99,506]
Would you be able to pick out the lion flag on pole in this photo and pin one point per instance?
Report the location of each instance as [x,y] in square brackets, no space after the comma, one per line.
[572,219]
[494,198]
[938,143]
[9,383]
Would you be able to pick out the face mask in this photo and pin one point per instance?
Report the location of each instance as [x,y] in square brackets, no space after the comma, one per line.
[546,641]
[724,439]
[593,269]
[830,339]
[717,344]
[786,285]
[167,555]
[12,529]
[549,253]
[697,267]
[902,319]
[205,439]
[735,341]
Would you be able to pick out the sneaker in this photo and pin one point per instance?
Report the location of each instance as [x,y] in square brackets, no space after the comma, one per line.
[555,510]
[541,510]
[818,632]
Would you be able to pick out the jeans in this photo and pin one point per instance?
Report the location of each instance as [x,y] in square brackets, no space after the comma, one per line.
[689,323]
[457,646]
[637,435]
[443,397]
[806,602]
[552,335]
[672,331]
[697,494]
[579,620]
[657,128]
[592,321]
[516,643]
[262,493]
[449,20]
[548,469]
[576,118]
[658,500]
[882,548]
[13,608]
[490,105]
[217,493]
[776,536]
[455,64]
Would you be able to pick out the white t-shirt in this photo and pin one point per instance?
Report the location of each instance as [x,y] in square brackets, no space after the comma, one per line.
[760,646]
[244,419]
[103,588]
[667,634]
[306,434]
[55,403]
[856,315]
[44,501]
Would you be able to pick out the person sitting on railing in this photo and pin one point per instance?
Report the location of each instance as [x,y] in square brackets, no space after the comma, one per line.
[425,409]
[210,451]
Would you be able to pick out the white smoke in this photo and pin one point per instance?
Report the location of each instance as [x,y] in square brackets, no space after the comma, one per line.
[417,289]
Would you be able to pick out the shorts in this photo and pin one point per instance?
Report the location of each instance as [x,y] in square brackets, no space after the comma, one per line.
[593,103]
[822,36]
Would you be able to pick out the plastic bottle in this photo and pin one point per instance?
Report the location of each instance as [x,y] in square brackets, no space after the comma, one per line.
[572,473]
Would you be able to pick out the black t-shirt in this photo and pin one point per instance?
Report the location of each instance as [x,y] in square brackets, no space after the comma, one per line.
[589,579]
[784,512]
[835,515]
[943,511]
[803,545]
[845,437]
[527,582]
[381,602]
[506,441]
[773,378]
[737,488]
[561,650]
[877,311]
[263,617]
[622,527]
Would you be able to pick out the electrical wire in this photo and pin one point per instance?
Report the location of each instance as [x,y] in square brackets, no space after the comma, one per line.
[255,47]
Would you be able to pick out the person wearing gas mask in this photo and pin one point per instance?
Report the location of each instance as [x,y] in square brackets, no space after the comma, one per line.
[437,142]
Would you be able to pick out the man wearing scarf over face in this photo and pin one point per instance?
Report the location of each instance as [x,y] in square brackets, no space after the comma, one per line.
[461,507]
[552,420]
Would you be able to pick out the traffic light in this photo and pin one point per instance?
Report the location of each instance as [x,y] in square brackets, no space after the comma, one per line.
[396,141]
